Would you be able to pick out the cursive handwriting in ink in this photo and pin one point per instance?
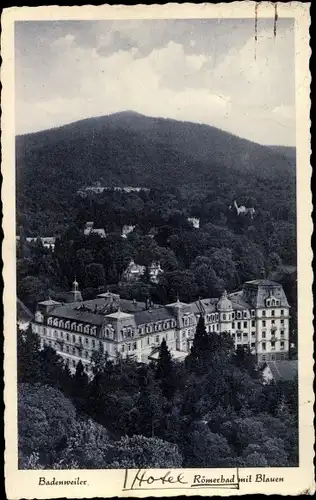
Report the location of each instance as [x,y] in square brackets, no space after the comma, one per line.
[145,478]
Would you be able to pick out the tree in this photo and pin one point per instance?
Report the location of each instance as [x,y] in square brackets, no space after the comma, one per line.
[140,451]
[29,364]
[206,449]
[245,359]
[164,371]
[31,290]
[80,386]
[199,356]
[95,275]
[45,420]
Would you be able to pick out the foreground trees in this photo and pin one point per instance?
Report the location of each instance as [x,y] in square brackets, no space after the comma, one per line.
[211,411]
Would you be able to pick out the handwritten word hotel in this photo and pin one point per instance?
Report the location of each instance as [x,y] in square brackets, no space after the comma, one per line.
[257,315]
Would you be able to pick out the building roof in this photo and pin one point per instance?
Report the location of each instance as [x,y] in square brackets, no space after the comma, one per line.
[262,282]
[49,302]
[22,312]
[174,354]
[224,304]
[238,301]
[119,315]
[152,315]
[283,370]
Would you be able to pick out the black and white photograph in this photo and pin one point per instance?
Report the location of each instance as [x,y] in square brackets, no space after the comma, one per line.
[156,245]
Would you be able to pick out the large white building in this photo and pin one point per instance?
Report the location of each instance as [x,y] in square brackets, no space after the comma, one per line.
[257,316]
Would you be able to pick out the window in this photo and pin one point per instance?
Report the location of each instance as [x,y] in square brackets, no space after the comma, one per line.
[263,335]
[253,344]
[86,354]
[233,324]
[67,348]
[263,313]
[157,338]
[263,346]
[252,313]
[74,338]
[263,358]
[74,350]
[129,347]
[245,335]
[147,340]
[49,322]
[122,348]
[282,333]
[67,336]
[73,363]
[239,325]
[135,346]
[272,312]
[245,314]
[245,324]
[263,322]
[86,340]
[272,345]
[282,321]
[282,312]
[61,334]
[233,315]
[272,321]
[238,314]
[238,335]
[93,343]
[253,334]
[80,340]
[217,327]
[268,303]
[282,346]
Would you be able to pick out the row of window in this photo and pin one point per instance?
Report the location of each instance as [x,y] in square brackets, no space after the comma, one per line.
[263,334]
[72,325]
[264,323]
[264,347]
[273,312]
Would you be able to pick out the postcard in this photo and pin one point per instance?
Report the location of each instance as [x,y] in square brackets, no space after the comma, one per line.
[158,317]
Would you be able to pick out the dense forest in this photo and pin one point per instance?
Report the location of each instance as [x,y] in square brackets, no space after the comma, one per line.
[210,411]
[131,149]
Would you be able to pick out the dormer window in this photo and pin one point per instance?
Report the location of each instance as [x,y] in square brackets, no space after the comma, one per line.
[268,302]
[55,322]
[79,328]
[86,329]
[50,321]
[73,326]
[61,324]
[238,314]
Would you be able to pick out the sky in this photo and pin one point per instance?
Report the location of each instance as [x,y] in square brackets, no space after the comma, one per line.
[209,71]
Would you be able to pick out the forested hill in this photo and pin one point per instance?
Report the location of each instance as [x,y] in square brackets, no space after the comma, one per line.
[130,149]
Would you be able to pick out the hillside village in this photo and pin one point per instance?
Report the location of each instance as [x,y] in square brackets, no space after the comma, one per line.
[155,298]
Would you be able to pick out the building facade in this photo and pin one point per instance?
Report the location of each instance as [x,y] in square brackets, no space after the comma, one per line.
[256,316]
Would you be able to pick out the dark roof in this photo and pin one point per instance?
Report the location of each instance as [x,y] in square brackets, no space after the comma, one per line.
[152,315]
[22,312]
[262,283]
[238,301]
[283,370]
[83,316]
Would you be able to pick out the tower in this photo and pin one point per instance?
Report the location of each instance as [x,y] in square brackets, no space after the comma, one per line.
[225,309]
[76,294]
